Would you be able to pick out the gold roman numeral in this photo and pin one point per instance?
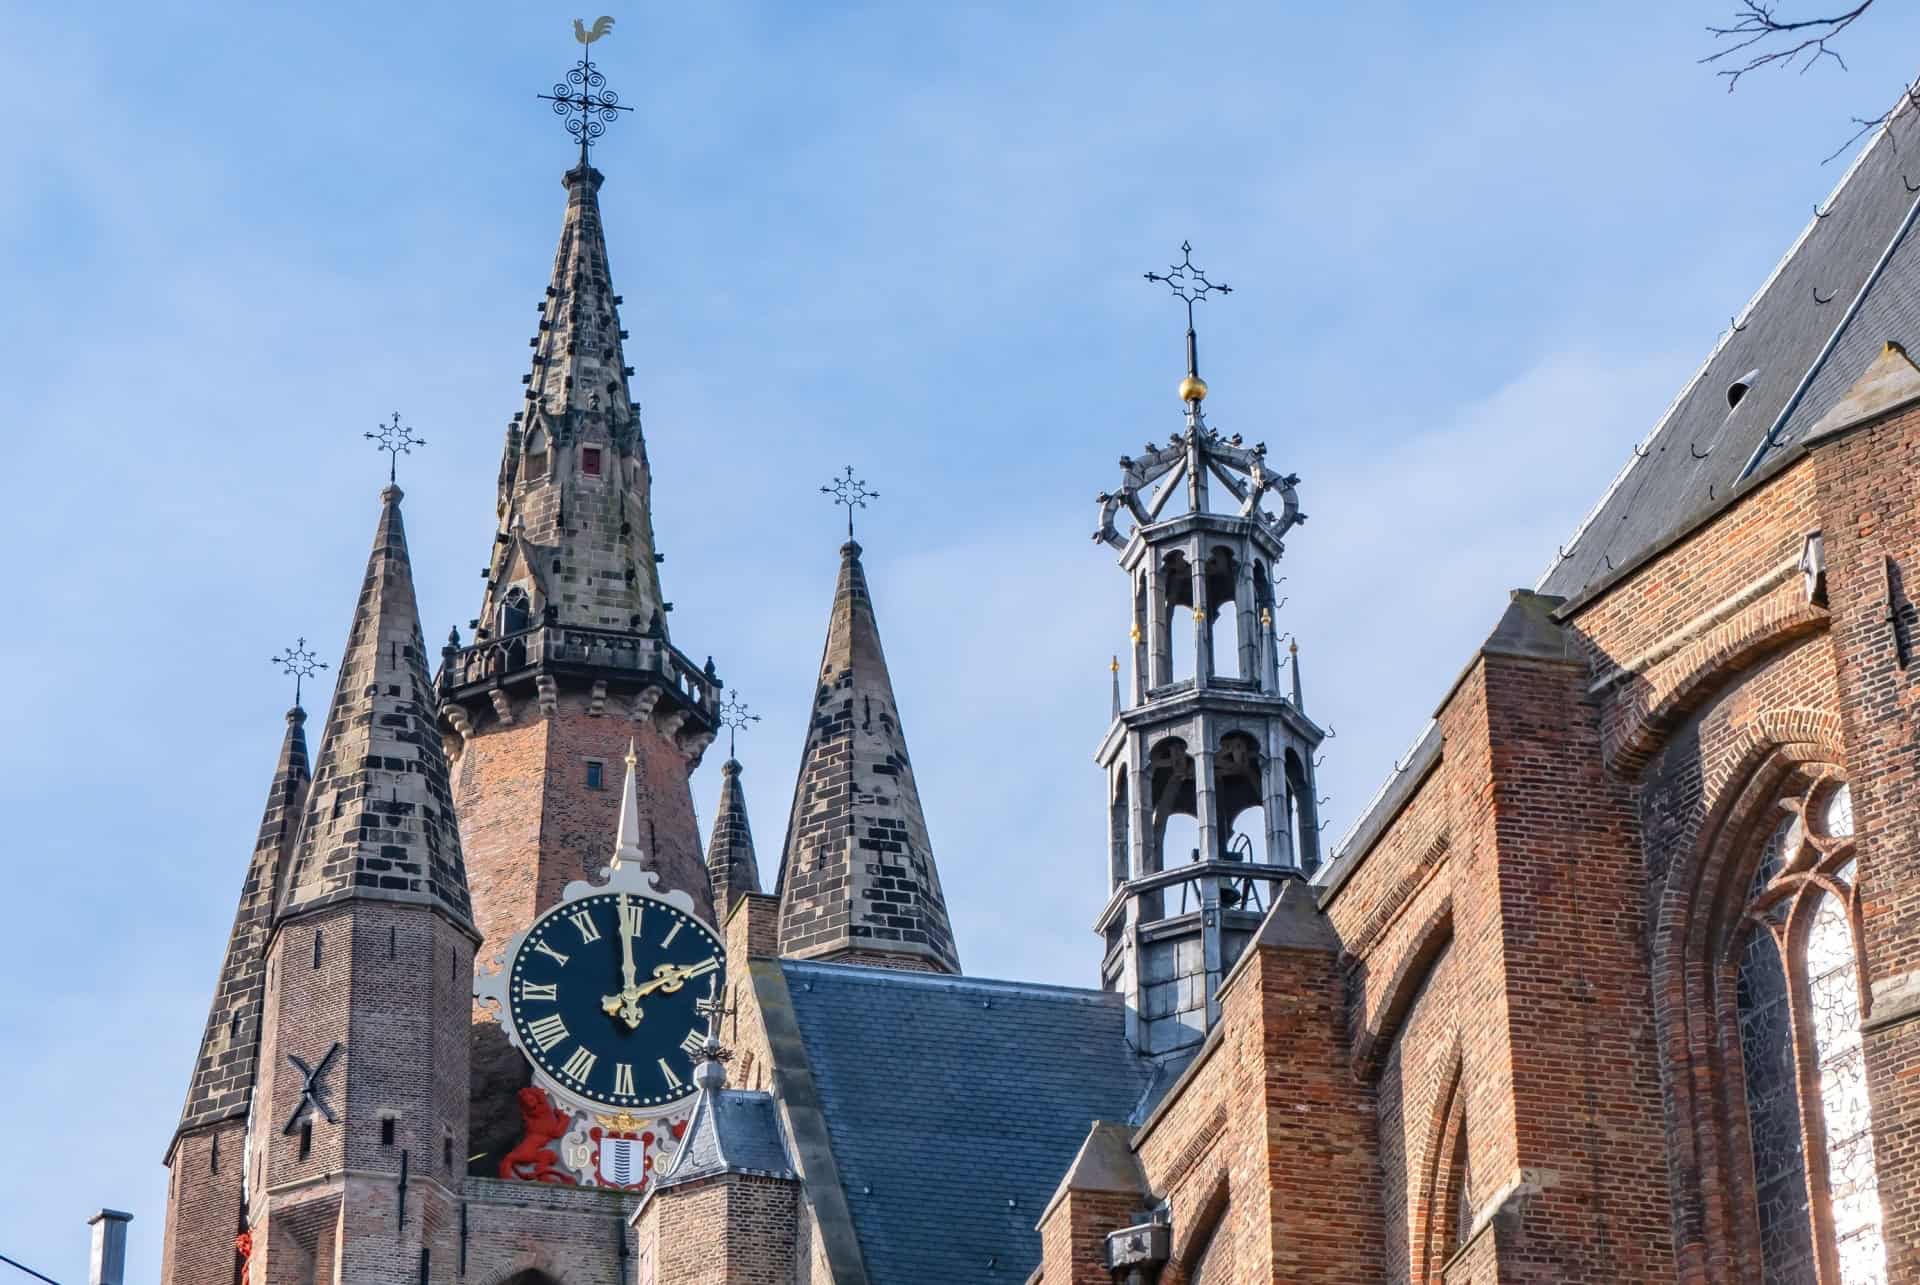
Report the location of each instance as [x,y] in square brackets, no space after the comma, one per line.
[583,920]
[695,1041]
[702,968]
[666,1073]
[548,1031]
[579,1066]
[623,1079]
[630,913]
[540,990]
[673,932]
[547,950]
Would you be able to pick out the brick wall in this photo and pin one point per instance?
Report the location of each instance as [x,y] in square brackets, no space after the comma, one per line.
[390,984]
[1869,485]
[530,824]
[204,1199]
[737,1229]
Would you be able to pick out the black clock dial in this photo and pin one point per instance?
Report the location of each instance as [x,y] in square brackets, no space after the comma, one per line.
[616,1028]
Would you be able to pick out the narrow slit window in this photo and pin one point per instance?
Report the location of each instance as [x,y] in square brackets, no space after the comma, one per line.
[386,1131]
[590,460]
[306,1139]
[596,775]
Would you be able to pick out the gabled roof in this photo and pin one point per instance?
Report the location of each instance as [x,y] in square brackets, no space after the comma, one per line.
[953,1105]
[1850,283]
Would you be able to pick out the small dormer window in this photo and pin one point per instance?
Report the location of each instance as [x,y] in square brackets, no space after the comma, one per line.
[1737,390]
[590,460]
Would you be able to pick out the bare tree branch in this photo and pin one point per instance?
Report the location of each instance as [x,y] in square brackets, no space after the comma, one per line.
[1909,97]
[1768,40]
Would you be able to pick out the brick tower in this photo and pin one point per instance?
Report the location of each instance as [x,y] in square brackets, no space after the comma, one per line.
[570,662]
[857,877]
[1208,736]
[360,1119]
[206,1196]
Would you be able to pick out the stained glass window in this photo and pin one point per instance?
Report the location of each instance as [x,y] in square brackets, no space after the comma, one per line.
[1799,1008]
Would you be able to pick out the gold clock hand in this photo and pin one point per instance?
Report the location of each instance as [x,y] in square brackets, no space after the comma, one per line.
[627,926]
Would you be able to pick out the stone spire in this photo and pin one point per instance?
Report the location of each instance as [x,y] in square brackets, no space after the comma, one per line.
[575,541]
[857,876]
[223,1074]
[732,868]
[379,818]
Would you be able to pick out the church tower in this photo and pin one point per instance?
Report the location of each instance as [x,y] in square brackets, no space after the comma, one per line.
[1209,760]
[206,1195]
[359,1123]
[857,881]
[571,659]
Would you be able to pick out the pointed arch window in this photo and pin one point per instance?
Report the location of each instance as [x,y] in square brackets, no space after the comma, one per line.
[1798,988]
[536,455]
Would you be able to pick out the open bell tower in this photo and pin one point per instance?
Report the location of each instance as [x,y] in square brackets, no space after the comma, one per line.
[1209,758]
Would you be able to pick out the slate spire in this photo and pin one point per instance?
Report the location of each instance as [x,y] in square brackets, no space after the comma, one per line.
[224,1072]
[857,875]
[379,817]
[732,868]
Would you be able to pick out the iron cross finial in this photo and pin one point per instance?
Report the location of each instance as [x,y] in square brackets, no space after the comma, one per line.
[396,439]
[852,492]
[734,717]
[583,96]
[1190,286]
[299,662]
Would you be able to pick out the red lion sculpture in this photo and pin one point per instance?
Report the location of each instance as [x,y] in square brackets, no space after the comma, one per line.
[533,1160]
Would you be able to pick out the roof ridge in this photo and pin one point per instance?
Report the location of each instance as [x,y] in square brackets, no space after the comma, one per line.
[946,981]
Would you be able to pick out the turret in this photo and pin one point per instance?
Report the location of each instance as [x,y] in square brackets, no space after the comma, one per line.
[359,1127]
[206,1197]
[1209,762]
[570,660]
[858,881]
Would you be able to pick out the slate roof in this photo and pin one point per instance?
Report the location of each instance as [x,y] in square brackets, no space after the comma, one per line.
[1847,285]
[954,1104]
[732,1131]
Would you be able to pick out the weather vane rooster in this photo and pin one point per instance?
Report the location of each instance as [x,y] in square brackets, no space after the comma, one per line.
[587,35]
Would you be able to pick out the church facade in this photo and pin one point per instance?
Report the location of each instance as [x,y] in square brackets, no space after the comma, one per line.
[1617,979]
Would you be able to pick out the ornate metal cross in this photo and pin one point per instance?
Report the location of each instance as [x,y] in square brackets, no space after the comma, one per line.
[734,717]
[396,439]
[583,96]
[852,492]
[299,662]
[310,1088]
[714,1009]
[1190,286]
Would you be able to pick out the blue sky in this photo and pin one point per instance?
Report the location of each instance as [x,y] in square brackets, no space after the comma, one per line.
[1475,250]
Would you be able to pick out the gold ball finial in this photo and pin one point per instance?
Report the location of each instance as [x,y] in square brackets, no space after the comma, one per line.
[1193,389]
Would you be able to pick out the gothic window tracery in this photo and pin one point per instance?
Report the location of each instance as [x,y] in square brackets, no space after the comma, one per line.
[1798,989]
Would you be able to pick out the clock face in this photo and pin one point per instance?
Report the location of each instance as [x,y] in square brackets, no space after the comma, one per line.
[603,998]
